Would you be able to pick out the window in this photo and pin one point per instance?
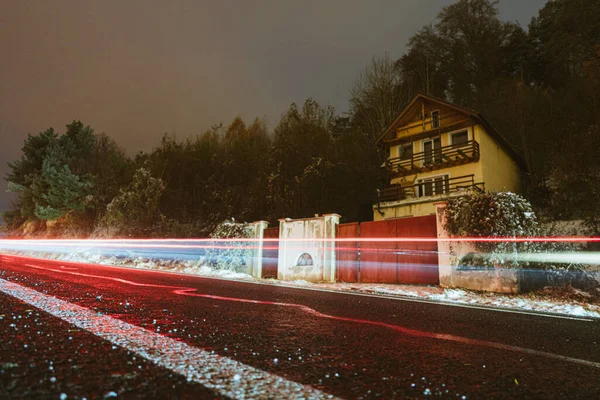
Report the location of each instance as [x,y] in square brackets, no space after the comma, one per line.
[406,151]
[434,185]
[435,119]
[460,139]
[304,260]
[432,149]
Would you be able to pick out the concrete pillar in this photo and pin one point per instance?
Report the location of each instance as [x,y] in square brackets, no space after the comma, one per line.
[283,245]
[312,236]
[497,279]
[258,229]
[444,250]
[329,253]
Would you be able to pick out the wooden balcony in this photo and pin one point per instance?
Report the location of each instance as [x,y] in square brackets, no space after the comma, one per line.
[443,157]
[435,187]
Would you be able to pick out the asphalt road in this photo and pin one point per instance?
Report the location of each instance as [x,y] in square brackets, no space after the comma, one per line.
[73,331]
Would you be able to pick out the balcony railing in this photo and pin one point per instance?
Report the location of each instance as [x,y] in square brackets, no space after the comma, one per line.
[430,187]
[443,157]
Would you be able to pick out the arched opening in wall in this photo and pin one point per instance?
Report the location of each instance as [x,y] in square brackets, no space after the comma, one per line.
[304,260]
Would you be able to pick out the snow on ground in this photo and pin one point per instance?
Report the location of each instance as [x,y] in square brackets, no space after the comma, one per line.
[573,302]
[525,301]
[191,267]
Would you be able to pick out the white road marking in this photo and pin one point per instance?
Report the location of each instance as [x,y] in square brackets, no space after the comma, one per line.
[224,376]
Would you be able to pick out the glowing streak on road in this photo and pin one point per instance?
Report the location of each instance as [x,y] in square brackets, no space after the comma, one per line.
[400,329]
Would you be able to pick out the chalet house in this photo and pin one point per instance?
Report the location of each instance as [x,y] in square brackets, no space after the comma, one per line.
[437,150]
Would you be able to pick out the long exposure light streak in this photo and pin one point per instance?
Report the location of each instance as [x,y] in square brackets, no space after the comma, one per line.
[192,292]
[129,242]
[195,248]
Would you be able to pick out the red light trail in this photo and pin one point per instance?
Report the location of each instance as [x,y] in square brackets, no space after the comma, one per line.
[185,291]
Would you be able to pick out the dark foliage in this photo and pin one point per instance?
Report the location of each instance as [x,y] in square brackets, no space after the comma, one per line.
[538,87]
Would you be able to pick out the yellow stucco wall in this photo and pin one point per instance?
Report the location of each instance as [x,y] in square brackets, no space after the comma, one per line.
[500,171]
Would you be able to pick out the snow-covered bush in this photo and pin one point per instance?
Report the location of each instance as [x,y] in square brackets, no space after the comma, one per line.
[501,215]
[490,214]
[231,255]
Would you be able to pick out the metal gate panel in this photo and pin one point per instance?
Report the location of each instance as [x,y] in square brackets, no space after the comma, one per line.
[270,253]
[378,259]
[417,261]
[347,253]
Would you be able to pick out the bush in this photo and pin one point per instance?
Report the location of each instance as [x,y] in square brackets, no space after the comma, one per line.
[505,215]
[230,255]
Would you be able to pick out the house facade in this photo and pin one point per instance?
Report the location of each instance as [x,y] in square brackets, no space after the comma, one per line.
[437,150]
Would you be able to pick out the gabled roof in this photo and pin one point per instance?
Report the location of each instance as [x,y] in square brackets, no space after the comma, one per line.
[468,111]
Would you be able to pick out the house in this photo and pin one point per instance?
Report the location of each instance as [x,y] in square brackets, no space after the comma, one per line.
[436,150]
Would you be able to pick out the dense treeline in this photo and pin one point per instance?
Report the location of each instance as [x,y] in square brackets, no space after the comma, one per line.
[539,87]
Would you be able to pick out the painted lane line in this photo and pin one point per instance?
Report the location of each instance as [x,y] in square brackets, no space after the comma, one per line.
[186,291]
[224,376]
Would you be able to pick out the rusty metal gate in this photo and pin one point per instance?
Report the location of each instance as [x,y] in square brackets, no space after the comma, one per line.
[389,261]
[270,253]
[347,253]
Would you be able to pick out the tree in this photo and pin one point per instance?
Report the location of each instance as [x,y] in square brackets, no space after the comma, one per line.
[575,178]
[423,68]
[566,34]
[75,174]
[301,136]
[56,190]
[463,53]
[135,211]
[23,172]
[377,97]
[109,169]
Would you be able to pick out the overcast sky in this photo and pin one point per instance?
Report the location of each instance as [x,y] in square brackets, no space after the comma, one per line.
[138,69]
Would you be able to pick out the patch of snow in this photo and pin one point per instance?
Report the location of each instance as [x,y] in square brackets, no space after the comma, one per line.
[191,267]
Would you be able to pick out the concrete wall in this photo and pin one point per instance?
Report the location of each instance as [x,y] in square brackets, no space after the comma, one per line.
[300,236]
[417,208]
[501,280]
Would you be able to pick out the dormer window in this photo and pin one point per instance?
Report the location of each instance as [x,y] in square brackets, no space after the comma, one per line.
[435,119]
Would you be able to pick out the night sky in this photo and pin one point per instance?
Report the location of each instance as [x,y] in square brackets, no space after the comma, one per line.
[138,69]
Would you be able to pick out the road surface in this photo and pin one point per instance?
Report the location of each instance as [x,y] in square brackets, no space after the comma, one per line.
[73,331]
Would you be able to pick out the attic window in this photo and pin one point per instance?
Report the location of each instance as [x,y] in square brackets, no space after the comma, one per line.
[435,119]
